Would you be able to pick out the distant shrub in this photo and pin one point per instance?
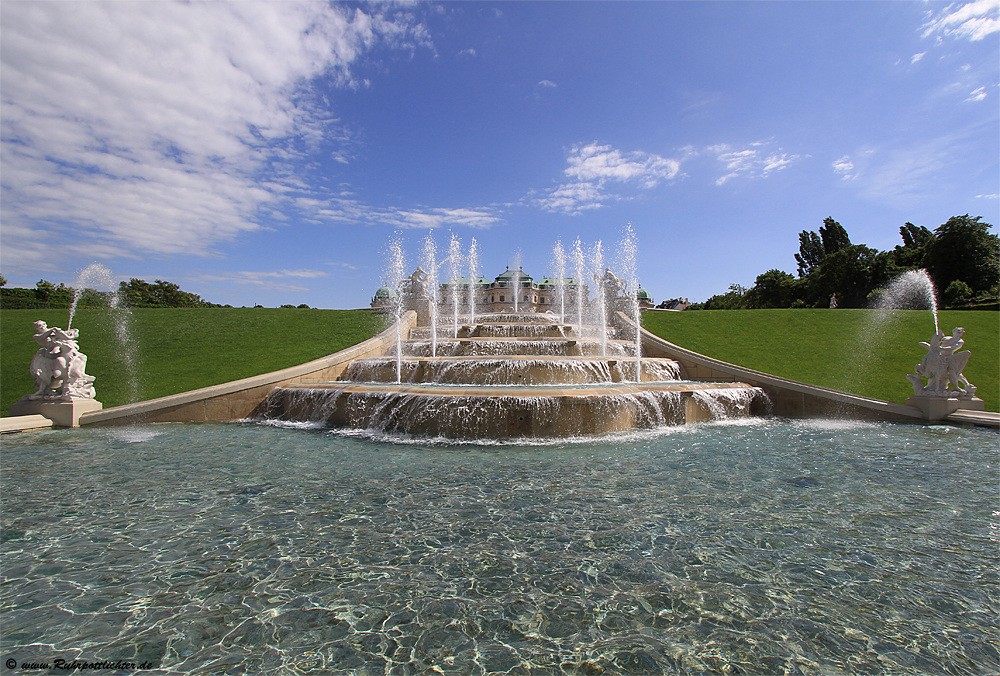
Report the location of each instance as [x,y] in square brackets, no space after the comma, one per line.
[957,293]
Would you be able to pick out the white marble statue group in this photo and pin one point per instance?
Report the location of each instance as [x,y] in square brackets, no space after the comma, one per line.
[58,366]
[942,367]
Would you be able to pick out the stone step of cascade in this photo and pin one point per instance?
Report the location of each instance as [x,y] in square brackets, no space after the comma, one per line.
[512,370]
[488,412]
[550,346]
[511,330]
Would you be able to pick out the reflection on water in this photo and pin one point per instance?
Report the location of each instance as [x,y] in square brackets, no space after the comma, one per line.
[747,547]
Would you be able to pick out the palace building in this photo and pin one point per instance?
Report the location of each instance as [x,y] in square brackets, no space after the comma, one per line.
[512,290]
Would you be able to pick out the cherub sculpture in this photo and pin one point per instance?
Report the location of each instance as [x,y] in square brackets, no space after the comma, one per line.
[942,367]
[58,366]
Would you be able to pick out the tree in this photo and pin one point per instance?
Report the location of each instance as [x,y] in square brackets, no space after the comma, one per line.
[957,293]
[834,236]
[772,289]
[810,253]
[813,247]
[964,249]
[44,290]
[851,273]
[911,255]
[3,281]
[728,301]
[915,237]
[140,293]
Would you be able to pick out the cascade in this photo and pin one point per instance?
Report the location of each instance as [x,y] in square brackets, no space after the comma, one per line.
[513,374]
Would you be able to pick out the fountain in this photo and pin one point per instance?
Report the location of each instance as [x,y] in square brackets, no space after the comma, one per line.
[455,271]
[912,289]
[394,271]
[520,374]
[473,276]
[516,280]
[98,277]
[939,387]
[559,269]
[63,390]
[599,311]
[578,264]
[431,278]
[628,252]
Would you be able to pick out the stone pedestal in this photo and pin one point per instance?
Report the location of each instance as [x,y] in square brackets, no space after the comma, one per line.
[939,408]
[61,413]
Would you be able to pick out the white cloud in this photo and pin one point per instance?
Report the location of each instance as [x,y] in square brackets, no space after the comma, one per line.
[145,127]
[303,274]
[754,161]
[599,163]
[845,167]
[437,218]
[988,197]
[274,281]
[343,210]
[592,167]
[917,57]
[977,95]
[547,84]
[601,174]
[971,20]
[573,198]
[909,174]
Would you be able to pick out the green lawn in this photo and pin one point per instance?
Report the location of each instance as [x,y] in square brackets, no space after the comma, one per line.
[181,349]
[184,349]
[849,350]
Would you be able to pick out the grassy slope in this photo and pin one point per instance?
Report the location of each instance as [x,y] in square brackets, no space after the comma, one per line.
[848,350]
[182,349]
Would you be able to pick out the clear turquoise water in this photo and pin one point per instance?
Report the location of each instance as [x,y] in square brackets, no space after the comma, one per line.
[745,547]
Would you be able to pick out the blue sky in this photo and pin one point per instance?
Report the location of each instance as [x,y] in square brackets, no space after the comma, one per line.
[266,153]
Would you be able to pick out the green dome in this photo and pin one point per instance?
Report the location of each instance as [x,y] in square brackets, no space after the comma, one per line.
[642,294]
[385,293]
[511,274]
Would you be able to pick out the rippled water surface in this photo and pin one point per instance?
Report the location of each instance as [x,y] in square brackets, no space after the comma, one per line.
[748,547]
